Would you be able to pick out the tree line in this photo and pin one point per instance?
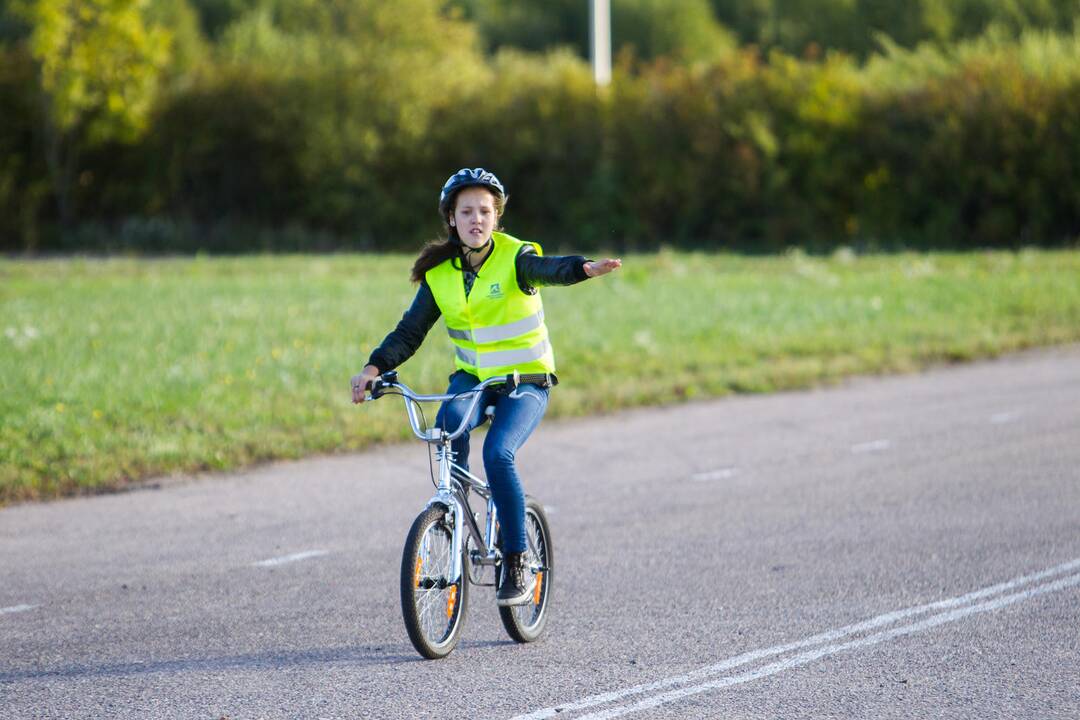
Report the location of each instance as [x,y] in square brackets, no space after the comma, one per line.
[239,125]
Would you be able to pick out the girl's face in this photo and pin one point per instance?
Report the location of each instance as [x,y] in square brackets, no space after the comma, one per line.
[474,216]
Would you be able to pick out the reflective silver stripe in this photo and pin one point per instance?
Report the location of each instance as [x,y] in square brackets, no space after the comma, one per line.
[466,356]
[497,333]
[460,334]
[513,357]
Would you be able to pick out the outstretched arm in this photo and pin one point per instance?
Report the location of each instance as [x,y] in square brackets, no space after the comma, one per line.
[535,271]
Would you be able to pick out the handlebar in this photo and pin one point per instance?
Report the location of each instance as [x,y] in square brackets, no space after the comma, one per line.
[389,380]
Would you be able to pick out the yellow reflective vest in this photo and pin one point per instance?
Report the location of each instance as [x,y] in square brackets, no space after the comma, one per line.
[498,328]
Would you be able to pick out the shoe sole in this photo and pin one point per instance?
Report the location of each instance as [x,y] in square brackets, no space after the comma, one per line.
[521,599]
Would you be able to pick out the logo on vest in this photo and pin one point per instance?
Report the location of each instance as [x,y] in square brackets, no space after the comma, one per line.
[494,292]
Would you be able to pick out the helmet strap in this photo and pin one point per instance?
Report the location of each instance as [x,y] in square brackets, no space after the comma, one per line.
[467,252]
[472,250]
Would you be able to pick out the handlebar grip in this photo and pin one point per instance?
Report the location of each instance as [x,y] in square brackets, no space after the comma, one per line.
[535,378]
[377,386]
[542,379]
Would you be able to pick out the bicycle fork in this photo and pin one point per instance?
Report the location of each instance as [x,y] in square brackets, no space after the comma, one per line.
[462,519]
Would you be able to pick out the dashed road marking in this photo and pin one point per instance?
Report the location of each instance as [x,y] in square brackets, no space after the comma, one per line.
[948,610]
[1003,417]
[872,446]
[719,474]
[295,557]
[16,609]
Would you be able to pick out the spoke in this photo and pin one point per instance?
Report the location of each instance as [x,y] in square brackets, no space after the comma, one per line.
[533,538]
[528,613]
[435,564]
[435,626]
[424,599]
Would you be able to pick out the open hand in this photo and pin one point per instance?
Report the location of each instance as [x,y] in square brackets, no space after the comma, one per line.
[597,268]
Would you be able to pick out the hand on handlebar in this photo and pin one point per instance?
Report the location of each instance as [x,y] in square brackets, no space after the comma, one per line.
[360,383]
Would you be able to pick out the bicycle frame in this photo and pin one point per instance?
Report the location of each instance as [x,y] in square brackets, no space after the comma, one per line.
[453,480]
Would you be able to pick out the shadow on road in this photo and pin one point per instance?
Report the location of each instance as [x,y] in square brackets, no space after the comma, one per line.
[269,660]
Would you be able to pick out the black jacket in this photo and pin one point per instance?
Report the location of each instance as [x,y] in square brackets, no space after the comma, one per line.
[533,271]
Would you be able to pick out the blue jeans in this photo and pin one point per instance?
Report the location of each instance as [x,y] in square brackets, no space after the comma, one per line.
[516,416]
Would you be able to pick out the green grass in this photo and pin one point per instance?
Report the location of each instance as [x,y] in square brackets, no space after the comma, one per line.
[112,371]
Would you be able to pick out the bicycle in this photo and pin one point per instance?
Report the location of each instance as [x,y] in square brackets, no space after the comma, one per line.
[445,550]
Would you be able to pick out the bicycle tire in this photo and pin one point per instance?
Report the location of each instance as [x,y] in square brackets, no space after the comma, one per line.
[525,623]
[433,608]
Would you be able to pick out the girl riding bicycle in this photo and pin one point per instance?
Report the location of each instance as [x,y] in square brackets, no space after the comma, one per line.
[484,283]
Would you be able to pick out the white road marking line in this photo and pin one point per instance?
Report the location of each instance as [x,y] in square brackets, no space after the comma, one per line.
[16,609]
[720,474]
[872,446]
[1003,417]
[828,636]
[810,656]
[290,558]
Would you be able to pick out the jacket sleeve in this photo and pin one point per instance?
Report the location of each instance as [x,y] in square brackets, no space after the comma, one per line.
[535,271]
[405,339]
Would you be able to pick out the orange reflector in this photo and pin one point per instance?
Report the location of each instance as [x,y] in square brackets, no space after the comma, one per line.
[451,602]
[536,590]
[419,562]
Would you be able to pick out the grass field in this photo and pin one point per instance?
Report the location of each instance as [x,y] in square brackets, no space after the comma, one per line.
[112,371]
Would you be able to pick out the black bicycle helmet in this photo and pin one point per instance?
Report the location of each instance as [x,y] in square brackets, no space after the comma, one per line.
[464,178]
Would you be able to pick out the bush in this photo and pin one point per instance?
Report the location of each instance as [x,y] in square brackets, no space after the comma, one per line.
[974,146]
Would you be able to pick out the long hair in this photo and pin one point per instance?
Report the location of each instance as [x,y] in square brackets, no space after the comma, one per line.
[434,253]
[448,247]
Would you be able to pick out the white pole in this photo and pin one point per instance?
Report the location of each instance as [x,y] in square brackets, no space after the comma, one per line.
[600,40]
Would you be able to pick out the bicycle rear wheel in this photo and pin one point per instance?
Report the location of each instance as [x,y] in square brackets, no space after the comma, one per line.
[525,623]
[432,606]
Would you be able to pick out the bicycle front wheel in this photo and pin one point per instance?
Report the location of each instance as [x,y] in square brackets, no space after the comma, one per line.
[432,603]
[525,623]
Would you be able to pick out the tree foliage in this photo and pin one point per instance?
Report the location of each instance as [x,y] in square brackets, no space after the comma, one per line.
[300,124]
[98,64]
[856,27]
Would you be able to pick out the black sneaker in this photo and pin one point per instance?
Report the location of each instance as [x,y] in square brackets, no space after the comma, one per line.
[516,583]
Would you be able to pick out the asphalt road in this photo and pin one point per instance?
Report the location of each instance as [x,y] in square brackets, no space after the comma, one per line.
[892,548]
